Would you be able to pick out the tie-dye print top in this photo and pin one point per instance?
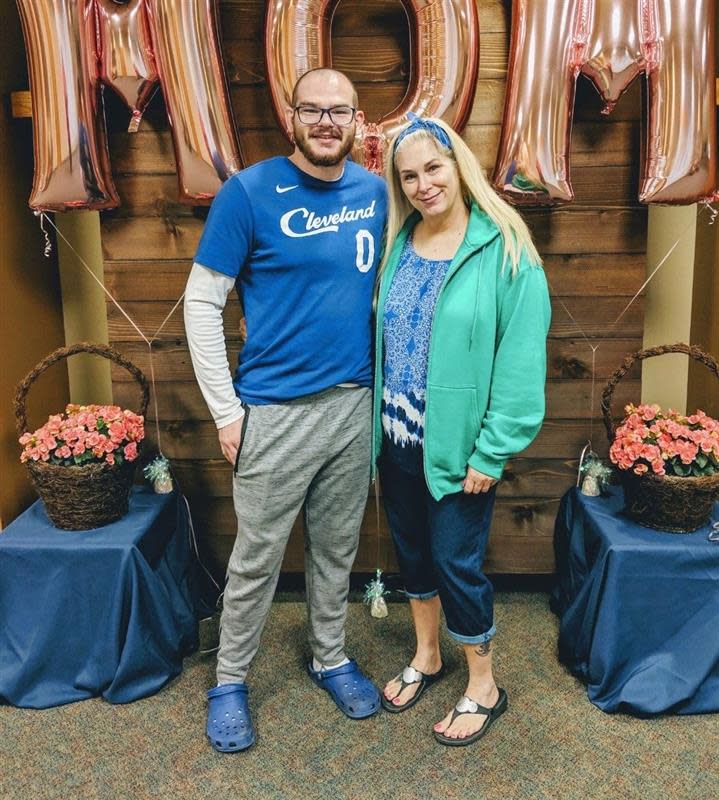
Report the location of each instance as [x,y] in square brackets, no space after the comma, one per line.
[407,325]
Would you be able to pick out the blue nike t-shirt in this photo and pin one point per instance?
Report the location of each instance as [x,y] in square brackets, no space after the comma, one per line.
[304,253]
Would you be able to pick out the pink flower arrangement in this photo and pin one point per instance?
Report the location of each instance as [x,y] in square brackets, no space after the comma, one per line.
[85,435]
[666,443]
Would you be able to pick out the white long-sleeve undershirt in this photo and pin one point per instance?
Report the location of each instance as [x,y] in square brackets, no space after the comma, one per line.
[205,298]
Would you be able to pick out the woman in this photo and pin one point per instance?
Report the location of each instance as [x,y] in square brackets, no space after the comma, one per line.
[462,319]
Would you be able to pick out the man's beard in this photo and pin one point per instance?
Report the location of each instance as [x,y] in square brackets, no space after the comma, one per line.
[303,145]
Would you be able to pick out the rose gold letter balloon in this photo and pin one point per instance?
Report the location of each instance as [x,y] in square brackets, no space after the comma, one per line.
[72,166]
[73,45]
[611,42]
[187,51]
[444,59]
[127,64]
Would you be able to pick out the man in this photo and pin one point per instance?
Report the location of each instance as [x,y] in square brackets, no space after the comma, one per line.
[299,238]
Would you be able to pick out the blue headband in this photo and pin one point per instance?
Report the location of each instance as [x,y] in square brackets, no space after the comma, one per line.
[416,123]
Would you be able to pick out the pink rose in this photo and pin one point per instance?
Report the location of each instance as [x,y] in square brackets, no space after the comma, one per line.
[47,441]
[116,431]
[648,413]
[112,413]
[650,452]
[130,451]
[687,452]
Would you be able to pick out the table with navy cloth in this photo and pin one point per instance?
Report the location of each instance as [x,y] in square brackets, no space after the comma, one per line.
[108,612]
[639,609]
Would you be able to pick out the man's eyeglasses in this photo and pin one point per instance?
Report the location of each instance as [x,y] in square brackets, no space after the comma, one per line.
[338,115]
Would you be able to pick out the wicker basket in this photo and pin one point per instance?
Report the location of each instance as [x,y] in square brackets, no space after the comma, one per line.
[670,503]
[81,498]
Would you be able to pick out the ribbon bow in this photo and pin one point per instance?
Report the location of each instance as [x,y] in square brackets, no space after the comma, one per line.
[417,123]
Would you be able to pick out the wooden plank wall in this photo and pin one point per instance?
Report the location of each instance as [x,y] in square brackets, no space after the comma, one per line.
[594,254]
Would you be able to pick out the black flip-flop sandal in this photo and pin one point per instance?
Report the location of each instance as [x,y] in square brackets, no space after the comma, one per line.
[408,677]
[468,706]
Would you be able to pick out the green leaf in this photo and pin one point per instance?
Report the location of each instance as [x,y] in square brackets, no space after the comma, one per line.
[682,469]
[701,459]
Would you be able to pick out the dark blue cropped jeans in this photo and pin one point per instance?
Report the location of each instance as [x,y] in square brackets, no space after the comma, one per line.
[440,548]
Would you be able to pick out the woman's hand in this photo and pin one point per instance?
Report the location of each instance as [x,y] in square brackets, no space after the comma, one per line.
[476,482]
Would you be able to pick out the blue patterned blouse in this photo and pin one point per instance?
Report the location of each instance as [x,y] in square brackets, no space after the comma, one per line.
[407,325]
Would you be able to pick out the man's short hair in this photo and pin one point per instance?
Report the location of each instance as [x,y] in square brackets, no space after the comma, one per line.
[355,99]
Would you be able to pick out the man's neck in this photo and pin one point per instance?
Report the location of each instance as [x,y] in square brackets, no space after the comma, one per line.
[321,173]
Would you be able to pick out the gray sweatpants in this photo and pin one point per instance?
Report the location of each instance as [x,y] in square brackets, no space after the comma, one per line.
[312,453]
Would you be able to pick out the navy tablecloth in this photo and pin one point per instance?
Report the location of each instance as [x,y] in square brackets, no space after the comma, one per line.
[639,609]
[107,612]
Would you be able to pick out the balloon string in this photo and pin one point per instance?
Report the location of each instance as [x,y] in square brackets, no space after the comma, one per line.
[569,314]
[164,321]
[587,446]
[591,394]
[152,369]
[594,347]
[95,278]
[706,206]
[48,244]
[149,342]
[193,537]
[376,505]
[661,263]
[654,272]
[154,401]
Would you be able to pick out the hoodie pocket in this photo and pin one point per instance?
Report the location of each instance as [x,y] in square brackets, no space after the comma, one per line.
[453,427]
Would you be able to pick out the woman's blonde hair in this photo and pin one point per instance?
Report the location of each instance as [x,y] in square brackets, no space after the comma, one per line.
[475,187]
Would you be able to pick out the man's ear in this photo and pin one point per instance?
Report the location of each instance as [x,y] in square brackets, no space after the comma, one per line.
[359,119]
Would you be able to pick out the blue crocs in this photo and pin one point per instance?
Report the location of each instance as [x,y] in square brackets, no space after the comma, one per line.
[229,725]
[355,694]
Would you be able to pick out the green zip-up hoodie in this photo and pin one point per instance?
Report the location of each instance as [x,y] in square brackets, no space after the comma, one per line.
[487,358]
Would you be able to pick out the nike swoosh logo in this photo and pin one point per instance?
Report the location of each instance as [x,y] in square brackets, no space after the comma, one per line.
[282,189]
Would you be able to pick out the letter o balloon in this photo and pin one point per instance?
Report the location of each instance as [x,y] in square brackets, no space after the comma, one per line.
[444,61]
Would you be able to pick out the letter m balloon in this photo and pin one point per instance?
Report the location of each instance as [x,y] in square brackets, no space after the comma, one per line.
[74,46]
[611,42]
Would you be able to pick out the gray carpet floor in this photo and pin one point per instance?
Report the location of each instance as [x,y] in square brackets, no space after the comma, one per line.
[552,743]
